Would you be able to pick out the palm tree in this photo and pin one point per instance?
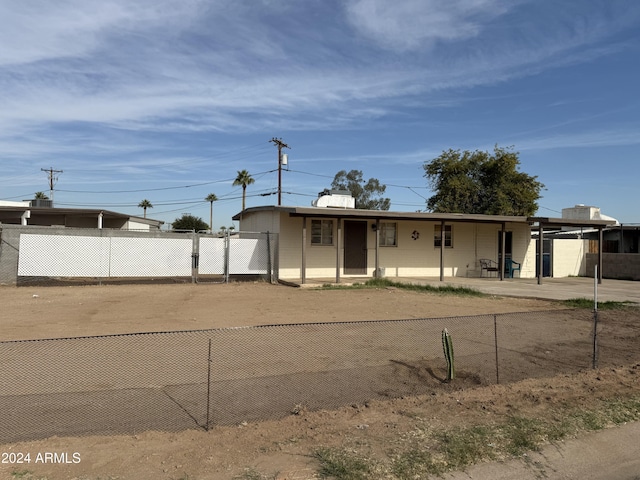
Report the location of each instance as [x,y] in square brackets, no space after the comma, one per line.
[145,204]
[244,179]
[211,198]
[40,196]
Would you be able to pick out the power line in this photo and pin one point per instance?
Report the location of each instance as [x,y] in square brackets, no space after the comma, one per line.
[221,199]
[312,174]
[159,189]
[237,154]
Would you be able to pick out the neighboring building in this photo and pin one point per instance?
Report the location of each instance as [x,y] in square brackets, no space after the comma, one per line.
[28,213]
[573,251]
[325,242]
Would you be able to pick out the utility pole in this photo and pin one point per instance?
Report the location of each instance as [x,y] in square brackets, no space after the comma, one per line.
[280,144]
[53,178]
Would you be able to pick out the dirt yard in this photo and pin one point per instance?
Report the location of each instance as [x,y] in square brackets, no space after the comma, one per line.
[276,449]
[52,312]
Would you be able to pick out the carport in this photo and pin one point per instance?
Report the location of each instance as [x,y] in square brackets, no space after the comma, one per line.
[543,224]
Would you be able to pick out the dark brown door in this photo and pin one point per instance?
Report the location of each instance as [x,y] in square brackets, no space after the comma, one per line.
[355,248]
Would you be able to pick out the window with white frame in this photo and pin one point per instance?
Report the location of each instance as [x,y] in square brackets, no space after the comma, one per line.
[388,234]
[321,232]
[448,236]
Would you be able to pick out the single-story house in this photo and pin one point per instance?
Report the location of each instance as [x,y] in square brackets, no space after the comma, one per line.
[28,213]
[329,242]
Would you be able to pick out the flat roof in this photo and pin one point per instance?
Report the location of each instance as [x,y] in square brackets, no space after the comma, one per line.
[552,222]
[354,213]
[16,211]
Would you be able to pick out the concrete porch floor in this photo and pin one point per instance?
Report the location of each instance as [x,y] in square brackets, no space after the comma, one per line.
[551,288]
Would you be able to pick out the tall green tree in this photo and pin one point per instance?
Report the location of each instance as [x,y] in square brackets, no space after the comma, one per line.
[211,198]
[41,196]
[488,183]
[368,194]
[144,204]
[189,222]
[243,179]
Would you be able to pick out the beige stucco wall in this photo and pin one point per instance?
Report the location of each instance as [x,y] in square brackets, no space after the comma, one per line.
[267,221]
[133,225]
[410,257]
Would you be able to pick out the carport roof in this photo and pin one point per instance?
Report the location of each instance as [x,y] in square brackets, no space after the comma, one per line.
[12,214]
[343,213]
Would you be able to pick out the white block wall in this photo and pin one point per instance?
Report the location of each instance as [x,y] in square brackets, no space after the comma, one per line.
[569,257]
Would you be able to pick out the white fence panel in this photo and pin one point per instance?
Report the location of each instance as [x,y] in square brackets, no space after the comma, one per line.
[247,256]
[151,257]
[63,256]
[211,256]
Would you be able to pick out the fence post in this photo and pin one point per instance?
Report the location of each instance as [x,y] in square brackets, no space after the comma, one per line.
[208,386]
[269,257]
[227,252]
[195,254]
[594,364]
[495,340]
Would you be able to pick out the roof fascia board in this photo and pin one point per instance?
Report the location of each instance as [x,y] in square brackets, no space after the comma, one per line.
[383,214]
[358,214]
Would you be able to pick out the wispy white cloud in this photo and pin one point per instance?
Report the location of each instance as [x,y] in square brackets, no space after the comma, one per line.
[39,30]
[199,65]
[624,136]
[189,66]
[414,24]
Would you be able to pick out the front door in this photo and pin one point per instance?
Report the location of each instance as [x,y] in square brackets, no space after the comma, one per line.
[355,248]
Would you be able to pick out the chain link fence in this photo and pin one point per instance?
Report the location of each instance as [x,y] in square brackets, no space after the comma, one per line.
[124,384]
[89,256]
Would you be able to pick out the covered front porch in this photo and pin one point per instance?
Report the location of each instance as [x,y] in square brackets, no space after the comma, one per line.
[476,245]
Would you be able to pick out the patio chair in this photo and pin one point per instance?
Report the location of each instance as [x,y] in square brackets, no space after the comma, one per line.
[511,267]
[489,266]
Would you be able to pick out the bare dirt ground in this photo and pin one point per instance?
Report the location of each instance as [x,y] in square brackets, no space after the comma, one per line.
[277,449]
[52,312]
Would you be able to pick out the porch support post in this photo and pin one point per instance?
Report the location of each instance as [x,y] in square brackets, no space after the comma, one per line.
[338,237]
[377,267]
[503,244]
[540,252]
[442,250]
[600,242]
[303,266]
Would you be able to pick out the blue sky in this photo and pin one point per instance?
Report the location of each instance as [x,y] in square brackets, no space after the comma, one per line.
[167,99]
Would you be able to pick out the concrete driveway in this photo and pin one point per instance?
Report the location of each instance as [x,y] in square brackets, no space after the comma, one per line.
[551,288]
